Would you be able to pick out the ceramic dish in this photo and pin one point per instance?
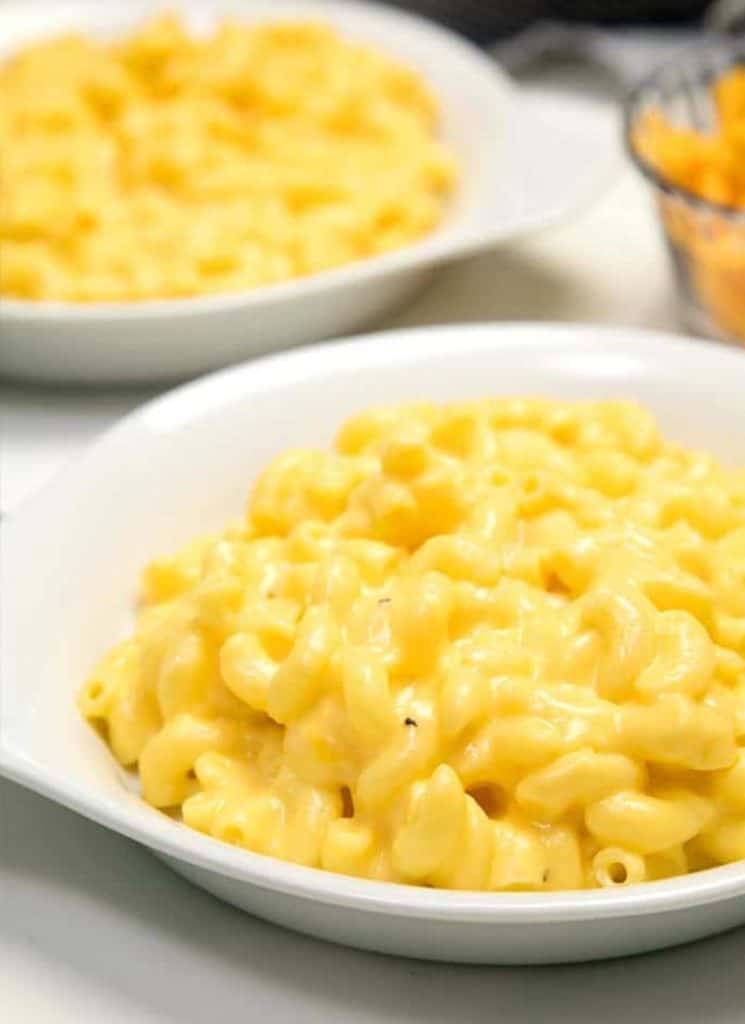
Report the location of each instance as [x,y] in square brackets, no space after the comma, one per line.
[182,465]
[503,144]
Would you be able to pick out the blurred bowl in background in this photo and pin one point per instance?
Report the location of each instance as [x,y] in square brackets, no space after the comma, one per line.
[522,166]
[705,237]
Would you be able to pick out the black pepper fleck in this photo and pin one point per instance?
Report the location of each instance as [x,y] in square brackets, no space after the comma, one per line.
[411,721]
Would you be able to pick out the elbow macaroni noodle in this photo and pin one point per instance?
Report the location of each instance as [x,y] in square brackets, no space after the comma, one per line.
[161,165]
[489,645]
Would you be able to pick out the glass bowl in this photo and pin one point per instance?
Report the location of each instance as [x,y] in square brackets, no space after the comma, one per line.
[705,239]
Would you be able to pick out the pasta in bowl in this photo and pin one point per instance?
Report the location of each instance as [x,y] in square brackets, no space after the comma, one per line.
[180,468]
[328,239]
[485,645]
[165,165]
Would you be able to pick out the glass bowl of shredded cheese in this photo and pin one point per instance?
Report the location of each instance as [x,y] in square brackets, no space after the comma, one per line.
[685,130]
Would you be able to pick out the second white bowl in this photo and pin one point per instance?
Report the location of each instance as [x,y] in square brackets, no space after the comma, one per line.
[521,168]
[182,466]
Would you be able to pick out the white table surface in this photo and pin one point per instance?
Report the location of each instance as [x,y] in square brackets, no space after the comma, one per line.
[93,928]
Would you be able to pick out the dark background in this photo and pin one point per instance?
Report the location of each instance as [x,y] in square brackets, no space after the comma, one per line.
[486,20]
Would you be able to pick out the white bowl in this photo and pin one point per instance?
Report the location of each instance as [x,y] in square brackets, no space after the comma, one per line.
[520,169]
[182,465]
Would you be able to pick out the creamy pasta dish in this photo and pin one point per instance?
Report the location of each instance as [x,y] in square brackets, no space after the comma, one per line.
[165,165]
[492,645]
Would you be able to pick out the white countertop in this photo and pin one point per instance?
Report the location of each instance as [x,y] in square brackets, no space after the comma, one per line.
[93,928]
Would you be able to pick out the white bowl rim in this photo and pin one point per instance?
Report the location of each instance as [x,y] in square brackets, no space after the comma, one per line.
[172,839]
[437,246]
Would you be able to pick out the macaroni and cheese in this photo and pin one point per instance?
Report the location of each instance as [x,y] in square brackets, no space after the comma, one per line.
[496,644]
[162,165]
